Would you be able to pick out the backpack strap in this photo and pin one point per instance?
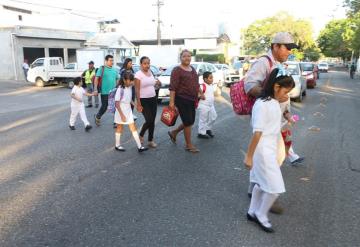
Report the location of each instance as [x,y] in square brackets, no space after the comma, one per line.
[267,74]
[203,87]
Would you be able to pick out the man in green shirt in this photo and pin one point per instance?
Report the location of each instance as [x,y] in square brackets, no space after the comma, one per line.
[109,78]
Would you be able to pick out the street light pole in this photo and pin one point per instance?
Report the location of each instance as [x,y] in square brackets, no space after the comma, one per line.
[158,4]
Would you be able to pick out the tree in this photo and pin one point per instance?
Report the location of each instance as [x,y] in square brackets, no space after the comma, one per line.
[259,34]
[335,40]
[353,6]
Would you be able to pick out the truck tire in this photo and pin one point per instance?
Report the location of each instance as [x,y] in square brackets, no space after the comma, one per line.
[39,82]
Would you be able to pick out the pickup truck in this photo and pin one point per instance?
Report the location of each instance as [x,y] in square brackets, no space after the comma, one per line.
[50,70]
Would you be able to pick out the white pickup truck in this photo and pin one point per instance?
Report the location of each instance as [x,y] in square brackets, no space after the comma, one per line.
[50,70]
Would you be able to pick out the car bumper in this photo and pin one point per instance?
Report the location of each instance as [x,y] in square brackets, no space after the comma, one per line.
[164,93]
[295,93]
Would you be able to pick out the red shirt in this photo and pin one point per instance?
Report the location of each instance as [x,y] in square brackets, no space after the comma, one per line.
[184,83]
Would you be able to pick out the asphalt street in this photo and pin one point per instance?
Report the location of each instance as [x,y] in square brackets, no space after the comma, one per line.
[70,188]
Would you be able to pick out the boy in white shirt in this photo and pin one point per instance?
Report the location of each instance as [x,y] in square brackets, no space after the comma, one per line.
[207,110]
[77,105]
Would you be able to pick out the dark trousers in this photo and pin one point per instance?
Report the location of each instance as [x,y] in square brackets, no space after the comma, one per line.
[104,105]
[149,111]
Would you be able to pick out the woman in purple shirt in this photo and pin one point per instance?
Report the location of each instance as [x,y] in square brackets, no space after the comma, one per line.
[184,91]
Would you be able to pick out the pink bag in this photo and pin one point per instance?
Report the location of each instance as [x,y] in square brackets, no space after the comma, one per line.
[242,103]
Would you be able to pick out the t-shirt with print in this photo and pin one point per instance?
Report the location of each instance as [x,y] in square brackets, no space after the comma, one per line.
[147,84]
[79,93]
[109,79]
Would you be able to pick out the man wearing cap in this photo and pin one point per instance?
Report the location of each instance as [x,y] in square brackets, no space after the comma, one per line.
[89,76]
[281,47]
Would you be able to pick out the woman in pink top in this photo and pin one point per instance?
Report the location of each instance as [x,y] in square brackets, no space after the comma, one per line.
[146,99]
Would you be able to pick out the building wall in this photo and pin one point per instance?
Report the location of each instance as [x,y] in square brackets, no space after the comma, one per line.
[6,59]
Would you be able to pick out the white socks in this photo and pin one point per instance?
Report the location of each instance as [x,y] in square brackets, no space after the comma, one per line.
[255,199]
[117,139]
[137,139]
[260,204]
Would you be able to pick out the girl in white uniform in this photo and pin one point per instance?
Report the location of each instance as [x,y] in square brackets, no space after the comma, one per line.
[123,113]
[207,110]
[262,156]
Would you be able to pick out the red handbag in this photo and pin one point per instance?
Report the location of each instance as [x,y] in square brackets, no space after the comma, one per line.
[169,116]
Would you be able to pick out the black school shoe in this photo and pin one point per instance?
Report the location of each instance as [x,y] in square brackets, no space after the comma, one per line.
[203,136]
[209,133]
[299,161]
[72,127]
[120,148]
[88,127]
[88,106]
[142,149]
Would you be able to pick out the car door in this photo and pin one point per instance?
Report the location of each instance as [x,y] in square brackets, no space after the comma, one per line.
[38,69]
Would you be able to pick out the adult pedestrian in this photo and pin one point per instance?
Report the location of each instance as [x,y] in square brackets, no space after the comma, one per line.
[109,79]
[25,67]
[89,77]
[145,84]
[184,91]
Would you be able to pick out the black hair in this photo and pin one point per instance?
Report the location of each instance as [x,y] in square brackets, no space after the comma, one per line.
[126,76]
[108,57]
[143,58]
[126,62]
[185,51]
[206,74]
[283,81]
[77,81]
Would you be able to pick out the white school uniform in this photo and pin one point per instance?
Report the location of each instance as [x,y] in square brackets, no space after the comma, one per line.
[266,117]
[125,99]
[207,112]
[78,107]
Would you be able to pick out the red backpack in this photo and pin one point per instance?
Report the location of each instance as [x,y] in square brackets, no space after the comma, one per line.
[242,103]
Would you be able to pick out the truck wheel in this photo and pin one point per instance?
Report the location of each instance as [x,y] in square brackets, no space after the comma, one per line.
[71,84]
[39,82]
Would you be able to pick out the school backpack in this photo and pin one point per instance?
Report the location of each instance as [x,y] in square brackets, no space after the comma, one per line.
[111,99]
[241,102]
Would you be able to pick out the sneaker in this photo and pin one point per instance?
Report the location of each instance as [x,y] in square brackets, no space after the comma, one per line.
[72,127]
[88,127]
[203,136]
[298,161]
[97,120]
[209,133]
[120,148]
[88,106]
[142,149]
[152,145]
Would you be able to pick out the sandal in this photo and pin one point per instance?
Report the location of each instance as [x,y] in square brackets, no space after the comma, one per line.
[172,138]
[193,150]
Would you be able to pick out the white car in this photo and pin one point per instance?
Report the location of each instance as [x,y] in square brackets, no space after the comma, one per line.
[200,67]
[231,75]
[323,67]
[299,90]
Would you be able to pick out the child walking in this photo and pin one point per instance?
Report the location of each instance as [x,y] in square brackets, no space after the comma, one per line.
[262,153]
[123,112]
[206,108]
[77,105]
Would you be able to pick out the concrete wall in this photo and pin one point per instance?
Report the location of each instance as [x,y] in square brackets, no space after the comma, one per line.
[6,59]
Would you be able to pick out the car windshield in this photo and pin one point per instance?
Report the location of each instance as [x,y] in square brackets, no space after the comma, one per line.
[237,65]
[323,64]
[293,69]
[307,67]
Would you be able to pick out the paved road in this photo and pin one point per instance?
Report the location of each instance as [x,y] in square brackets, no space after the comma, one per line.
[69,188]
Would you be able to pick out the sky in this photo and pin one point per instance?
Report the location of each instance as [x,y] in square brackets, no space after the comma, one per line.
[187,17]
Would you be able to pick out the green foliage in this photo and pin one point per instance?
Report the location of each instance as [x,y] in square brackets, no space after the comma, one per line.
[335,39]
[220,58]
[259,34]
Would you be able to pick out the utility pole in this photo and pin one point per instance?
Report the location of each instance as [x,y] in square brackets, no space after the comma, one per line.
[158,4]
